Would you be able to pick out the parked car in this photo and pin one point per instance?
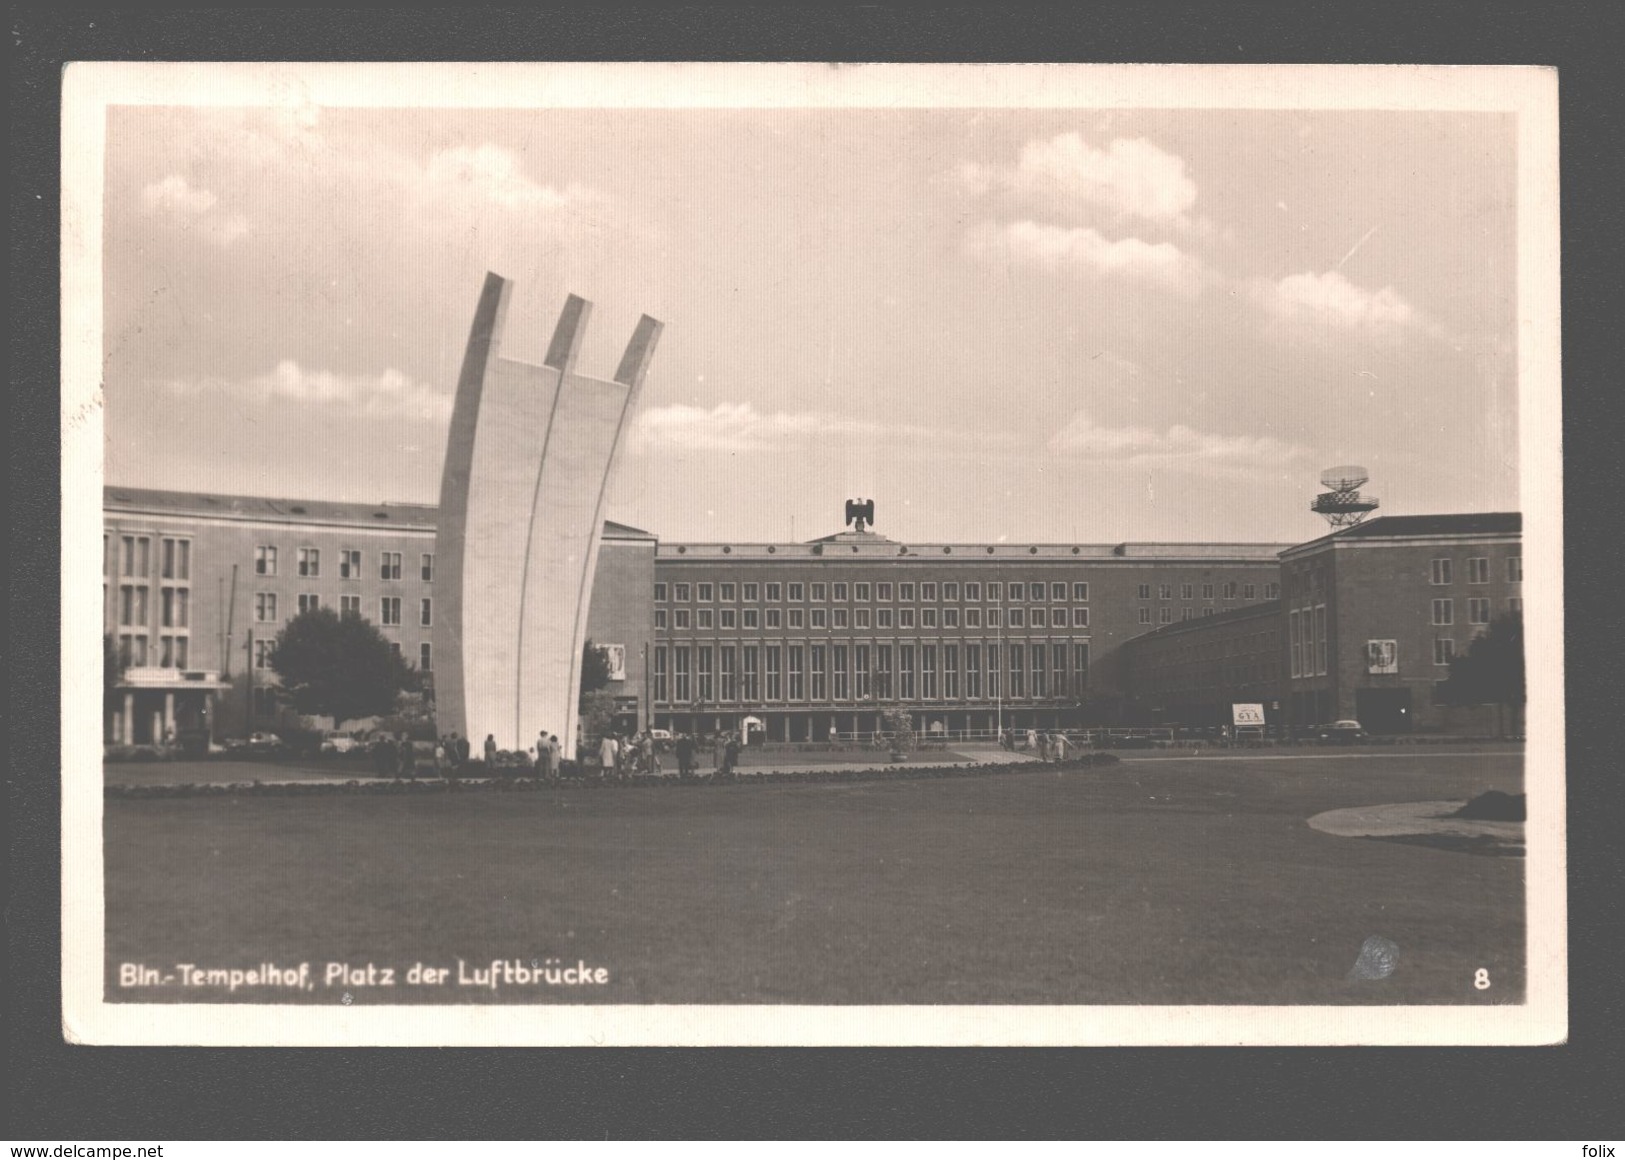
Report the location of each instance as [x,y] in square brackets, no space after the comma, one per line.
[256,743]
[1339,732]
[335,742]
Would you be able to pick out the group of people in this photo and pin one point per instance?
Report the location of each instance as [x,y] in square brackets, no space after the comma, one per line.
[397,755]
[1048,746]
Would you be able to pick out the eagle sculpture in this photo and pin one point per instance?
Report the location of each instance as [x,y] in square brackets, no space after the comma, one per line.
[860,512]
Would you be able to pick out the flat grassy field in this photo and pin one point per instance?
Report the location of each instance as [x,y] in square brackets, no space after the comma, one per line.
[1153,881]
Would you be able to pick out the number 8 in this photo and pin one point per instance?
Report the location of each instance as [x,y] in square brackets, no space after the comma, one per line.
[1481,979]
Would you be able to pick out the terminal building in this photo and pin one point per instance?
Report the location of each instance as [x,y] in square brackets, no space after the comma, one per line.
[796,639]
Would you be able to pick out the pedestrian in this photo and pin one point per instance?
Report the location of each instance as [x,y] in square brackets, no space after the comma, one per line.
[490,751]
[407,756]
[555,753]
[1032,739]
[462,748]
[608,750]
[730,758]
[834,733]
[685,756]
[440,766]
[1060,747]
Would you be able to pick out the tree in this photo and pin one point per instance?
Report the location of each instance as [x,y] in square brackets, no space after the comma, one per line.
[1491,670]
[338,666]
[594,669]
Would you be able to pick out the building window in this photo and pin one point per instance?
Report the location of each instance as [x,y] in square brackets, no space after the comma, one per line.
[1017,617]
[797,687]
[752,618]
[1018,591]
[426,573]
[1295,638]
[774,593]
[840,617]
[820,593]
[773,618]
[389,609]
[350,564]
[1249,591]
[797,615]
[264,606]
[704,592]
[389,565]
[928,618]
[1207,591]
[1320,640]
[928,672]
[1478,610]
[310,561]
[883,683]
[1144,592]
[682,617]
[750,593]
[860,671]
[882,618]
[774,677]
[1038,672]
[682,592]
[1441,572]
[262,653]
[973,671]
[1145,616]
[883,591]
[704,618]
[1515,604]
[928,592]
[993,618]
[1058,653]
[1207,612]
[660,593]
[905,618]
[1080,618]
[1018,671]
[1229,590]
[839,590]
[950,618]
[177,559]
[680,674]
[706,690]
[309,602]
[729,618]
[905,593]
[426,657]
[174,607]
[1080,591]
[1272,591]
[905,672]
[1186,613]
[264,560]
[1165,591]
[726,669]
[950,590]
[798,593]
[1165,614]
[973,618]
[1186,591]
[349,605]
[973,592]
[994,592]
[820,618]
[660,618]
[1080,667]
[426,613]
[1514,569]
[752,690]
[1057,592]
[1444,611]
[1036,617]
[860,593]
[1444,650]
[728,593]
[950,672]
[660,674]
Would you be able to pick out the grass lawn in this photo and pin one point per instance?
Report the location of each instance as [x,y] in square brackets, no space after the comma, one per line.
[1158,881]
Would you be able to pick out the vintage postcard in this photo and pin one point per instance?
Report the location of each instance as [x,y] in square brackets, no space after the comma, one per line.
[793,554]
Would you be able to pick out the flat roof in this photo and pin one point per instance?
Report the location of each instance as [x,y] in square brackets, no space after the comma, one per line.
[1422,527]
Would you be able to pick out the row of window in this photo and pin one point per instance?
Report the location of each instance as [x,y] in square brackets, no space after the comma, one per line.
[389,607]
[1478,570]
[171,652]
[308,563]
[174,606]
[863,591]
[748,618]
[135,557]
[751,673]
[1478,609]
[1165,614]
[264,648]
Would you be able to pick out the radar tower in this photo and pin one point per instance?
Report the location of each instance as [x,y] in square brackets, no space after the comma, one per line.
[1342,504]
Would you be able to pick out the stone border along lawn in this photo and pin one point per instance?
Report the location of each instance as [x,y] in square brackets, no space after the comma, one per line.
[512,784]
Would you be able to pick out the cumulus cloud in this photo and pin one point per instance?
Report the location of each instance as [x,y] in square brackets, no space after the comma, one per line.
[1079,249]
[388,393]
[1177,446]
[1128,176]
[1331,300]
[193,209]
[491,173]
[740,427]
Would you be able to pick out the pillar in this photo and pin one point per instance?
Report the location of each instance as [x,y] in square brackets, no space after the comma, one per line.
[127,719]
[169,713]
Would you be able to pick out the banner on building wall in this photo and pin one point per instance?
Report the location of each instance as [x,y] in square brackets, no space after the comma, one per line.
[1245,715]
[615,658]
[1382,656]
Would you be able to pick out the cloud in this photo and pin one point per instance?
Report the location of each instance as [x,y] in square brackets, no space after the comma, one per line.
[739,427]
[1331,300]
[1178,446]
[193,209]
[388,393]
[1079,249]
[1129,177]
[491,173]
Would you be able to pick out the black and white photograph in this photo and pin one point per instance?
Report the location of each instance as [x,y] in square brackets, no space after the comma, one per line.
[714,554]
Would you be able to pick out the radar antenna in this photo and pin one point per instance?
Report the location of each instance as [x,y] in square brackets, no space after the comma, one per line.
[1342,504]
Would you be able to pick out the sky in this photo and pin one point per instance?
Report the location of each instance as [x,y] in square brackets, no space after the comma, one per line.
[1041,325]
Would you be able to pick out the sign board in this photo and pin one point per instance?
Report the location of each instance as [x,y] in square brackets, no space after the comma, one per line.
[615,658]
[1382,656]
[1243,716]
